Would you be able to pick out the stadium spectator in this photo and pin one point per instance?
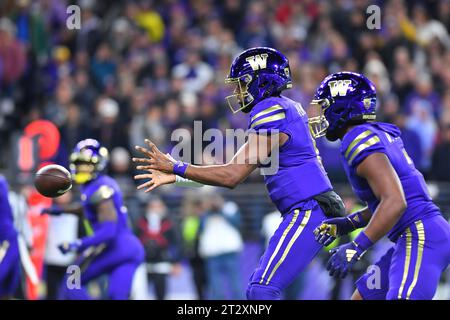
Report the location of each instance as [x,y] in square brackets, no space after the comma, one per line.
[109,128]
[158,233]
[150,20]
[61,228]
[121,169]
[194,73]
[12,54]
[74,128]
[441,156]
[423,123]
[221,221]
[191,210]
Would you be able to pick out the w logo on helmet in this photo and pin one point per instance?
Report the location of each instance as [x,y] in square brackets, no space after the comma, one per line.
[339,87]
[258,61]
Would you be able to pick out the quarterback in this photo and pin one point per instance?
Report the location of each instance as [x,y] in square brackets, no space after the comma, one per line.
[300,188]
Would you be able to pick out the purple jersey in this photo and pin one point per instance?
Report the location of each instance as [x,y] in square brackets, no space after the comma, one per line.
[100,189]
[123,254]
[300,175]
[7,230]
[366,139]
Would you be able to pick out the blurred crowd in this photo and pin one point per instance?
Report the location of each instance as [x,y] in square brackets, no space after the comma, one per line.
[142,68]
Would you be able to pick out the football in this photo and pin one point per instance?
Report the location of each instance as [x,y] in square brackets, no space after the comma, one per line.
[53,181]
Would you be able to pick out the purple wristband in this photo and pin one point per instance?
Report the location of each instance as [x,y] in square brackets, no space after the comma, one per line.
[362,242]
[357,220]
[179,168]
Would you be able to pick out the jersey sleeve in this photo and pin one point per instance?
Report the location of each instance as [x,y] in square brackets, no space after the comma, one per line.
[360,144]
[103,193]
[3,187]
[268,119]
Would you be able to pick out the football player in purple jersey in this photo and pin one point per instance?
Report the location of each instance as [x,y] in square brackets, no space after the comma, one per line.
[9,250]
[299,188]
[110,248]
[398,203]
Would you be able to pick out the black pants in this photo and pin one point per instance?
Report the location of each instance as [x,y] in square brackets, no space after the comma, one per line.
[55,277]
[159,283]
[199,276]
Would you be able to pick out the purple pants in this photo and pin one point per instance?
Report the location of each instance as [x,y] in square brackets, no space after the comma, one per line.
[412,268]
[9,267]
[290,250]
[118,261]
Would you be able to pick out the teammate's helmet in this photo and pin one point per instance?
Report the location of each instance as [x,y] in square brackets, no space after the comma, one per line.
[87,160]
[258,73]
[344,98]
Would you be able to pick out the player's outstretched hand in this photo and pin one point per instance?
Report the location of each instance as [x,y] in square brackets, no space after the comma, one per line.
[154,159]
[157,179]
[330,229]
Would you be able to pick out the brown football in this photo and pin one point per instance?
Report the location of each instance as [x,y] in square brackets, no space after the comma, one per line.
[53,181]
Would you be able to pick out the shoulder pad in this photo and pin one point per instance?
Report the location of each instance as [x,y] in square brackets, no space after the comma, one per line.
[359,143]
[268,117]
[103,193]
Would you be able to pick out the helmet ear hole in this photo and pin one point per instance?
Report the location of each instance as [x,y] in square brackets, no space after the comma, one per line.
[263,84]
[339,109]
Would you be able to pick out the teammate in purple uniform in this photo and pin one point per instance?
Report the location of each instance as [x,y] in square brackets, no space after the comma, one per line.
[300,188]
[383,176]
[111,249]
[9,251]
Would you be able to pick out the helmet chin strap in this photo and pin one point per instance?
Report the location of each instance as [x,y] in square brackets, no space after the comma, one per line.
[247,109]
[268,91]
[83,177]
[333,134]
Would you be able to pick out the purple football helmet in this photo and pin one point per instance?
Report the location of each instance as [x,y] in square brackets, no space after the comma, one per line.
[87,160]
[258,73]
[343,98]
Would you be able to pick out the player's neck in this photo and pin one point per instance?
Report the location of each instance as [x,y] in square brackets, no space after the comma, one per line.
[344,131]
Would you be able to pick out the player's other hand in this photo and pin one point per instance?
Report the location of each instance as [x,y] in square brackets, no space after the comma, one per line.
[67,247]
[154,159]
[342,259]
[53,211]
[176,269]
[157,179]
[330,229]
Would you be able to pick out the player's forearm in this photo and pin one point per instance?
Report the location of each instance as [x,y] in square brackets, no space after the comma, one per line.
[74,208]
[183,182]
[214,175]
[360,218]
[366,215]
[384,218]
